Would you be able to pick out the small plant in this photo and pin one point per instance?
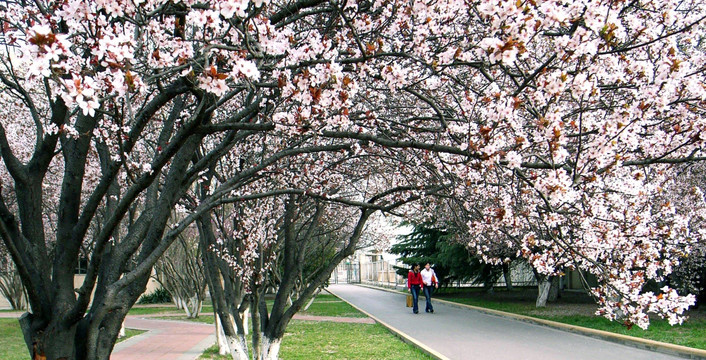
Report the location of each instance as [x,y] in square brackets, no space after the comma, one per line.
[159,296]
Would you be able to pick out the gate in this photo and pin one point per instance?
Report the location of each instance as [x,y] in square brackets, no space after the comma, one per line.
[347,272]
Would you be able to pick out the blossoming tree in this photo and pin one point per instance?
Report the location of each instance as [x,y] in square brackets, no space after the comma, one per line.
[115,109]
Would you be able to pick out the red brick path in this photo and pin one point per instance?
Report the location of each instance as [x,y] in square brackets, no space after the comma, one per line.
[164,340]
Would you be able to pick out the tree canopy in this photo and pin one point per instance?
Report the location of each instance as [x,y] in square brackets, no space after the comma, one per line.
[554,127]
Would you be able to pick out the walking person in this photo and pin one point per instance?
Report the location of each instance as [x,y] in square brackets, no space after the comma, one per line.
[414,284]
[429,282]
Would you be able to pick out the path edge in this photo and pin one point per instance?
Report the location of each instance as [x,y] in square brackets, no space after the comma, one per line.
[397,332]
[658,346]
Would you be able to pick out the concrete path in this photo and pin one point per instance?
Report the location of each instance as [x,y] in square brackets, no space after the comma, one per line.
[459,333]
[164,340]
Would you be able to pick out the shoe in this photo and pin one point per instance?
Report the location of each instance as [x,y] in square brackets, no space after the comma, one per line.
[426,310]
[416,312]
[431,311]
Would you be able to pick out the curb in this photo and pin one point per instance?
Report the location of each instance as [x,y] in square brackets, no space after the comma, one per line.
[400,334]
[658,346]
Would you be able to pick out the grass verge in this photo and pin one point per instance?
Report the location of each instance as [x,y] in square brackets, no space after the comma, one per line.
[164,309]
[329,305]
[580,313]
[12,344]
[334,341]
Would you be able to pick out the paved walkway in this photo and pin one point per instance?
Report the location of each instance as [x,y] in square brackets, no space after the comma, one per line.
[164,340]
[459,333]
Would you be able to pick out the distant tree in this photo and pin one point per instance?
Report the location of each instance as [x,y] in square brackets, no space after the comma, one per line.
[451,260]
[11,287]
[180,271]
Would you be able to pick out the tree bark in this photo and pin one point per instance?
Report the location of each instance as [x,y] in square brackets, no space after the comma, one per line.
[554,289]
[547,289]
[227,294]
[543,291]
[507,274]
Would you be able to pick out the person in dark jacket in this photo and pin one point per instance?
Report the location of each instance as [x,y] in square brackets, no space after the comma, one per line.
[414,284]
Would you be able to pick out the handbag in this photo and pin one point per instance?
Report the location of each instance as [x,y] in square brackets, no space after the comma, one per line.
[433,279]
[409,300]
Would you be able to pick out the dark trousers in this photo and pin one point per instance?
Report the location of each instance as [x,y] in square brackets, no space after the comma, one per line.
[415,298]
[428,290]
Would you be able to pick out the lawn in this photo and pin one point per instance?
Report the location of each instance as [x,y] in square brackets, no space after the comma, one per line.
[329,305]
[331,340]
[12,344]
[334,341]
[324,305]
[578,309]
[164,309]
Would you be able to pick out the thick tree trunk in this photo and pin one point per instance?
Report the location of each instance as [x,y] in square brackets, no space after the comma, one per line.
[61,326]
[543,291]
[226,295]
[236,346]
[51,341]
[269,348]
[548,290]
[554,289]
[507,274]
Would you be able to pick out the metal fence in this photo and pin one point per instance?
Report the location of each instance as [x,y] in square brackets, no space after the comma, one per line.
[382,273]
[347,272]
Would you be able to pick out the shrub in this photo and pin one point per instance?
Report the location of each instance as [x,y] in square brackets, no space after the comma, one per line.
[158,296]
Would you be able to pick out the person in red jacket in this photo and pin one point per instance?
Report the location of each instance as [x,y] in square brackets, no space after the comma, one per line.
[414,284]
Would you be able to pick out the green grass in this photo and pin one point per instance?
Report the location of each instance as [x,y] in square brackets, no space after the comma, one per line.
[324,305]
[331,340]
[203,318]
[338,341]
[166,309]
[12,344]
[329,305]
[154,310]
[692,333]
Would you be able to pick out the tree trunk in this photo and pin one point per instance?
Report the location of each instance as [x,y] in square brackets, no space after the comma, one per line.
[547,289]
[236,346]
[313,297]
[507,274]
[554,289]
[488,286]
[221,340]
[269,348]
[226,295]
[51,341]
[543,291]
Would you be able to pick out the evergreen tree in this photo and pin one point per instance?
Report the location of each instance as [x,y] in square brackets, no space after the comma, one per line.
[451,260]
